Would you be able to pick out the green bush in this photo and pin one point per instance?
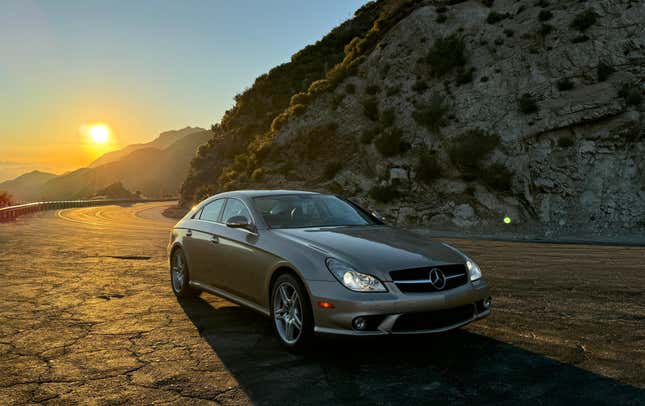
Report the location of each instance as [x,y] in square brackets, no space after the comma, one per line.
[580,38]
[508,32]
[391,143]
[446,54]
[420,86]
[582,21]
[372,89]
[546,29]
[464,76]
[433,115]
[350,88]
[300,98]
[527,103]
[427,168]
[565,84]
[441,18]
[565,142]
[495,17]
[370,109]
[604,71]
[545,15]
[632,94]
[497,177]
[393,90]
[470,149]
[257,175]
[488,3]
[368,135]
[384,194]
[388,117]
[331,169]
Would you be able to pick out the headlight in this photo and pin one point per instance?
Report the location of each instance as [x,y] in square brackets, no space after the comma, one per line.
[473,270]
[353,279]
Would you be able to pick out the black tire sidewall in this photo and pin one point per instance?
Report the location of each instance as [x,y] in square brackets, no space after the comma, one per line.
[306,336]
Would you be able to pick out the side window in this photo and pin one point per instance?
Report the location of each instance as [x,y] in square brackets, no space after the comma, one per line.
[211,211]
[234,208]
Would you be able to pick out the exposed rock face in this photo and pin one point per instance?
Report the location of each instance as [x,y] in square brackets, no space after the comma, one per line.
[575,163]
[539,119]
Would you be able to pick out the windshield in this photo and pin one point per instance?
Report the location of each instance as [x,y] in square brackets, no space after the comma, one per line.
[302,211]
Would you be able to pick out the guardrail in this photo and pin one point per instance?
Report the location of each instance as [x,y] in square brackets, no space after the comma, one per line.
[12,212]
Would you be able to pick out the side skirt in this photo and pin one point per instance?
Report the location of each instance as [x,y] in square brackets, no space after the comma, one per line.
[229,296]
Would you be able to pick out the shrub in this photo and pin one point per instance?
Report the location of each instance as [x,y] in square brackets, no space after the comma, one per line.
[300,98]
[545,15]
[565,84]
[350,88]
[631,92]
[441,18]
[508,32]
[446,54]
[370,108]
[388,117]
[433,115]
[604,71]
[391,143]
[464,76]
[546,29]
[470,149]
[393,90]
[331,169]
[257,175]
[368,135]
[420,86]
[582,21]
[441,9]
[495,17]
[372,90]
[427,168]
[579,39]
[384,194]
[528,104]
[488,3]
[497,177]
[565,142]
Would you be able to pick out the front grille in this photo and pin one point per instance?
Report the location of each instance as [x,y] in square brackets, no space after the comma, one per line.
[433,320]
[418,279]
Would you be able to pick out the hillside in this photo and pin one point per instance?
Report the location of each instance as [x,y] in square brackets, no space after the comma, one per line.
[461,115]
[25,187]
[163,141]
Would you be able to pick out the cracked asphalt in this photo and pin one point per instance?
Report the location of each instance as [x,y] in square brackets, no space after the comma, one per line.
[87,316]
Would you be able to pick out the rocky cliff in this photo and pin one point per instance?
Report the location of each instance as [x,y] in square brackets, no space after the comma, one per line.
[473,115]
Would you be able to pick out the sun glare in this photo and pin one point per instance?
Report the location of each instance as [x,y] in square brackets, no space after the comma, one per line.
[99,133]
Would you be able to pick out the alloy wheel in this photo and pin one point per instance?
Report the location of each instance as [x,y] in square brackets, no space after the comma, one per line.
[178,269]
[287,312]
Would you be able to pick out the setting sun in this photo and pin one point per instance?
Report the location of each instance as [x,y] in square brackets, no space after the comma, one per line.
[99,133]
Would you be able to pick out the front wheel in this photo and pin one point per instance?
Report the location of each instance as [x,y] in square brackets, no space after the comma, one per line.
[291,313]
[179,276]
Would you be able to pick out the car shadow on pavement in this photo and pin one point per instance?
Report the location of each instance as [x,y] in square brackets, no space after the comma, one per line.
[458,367]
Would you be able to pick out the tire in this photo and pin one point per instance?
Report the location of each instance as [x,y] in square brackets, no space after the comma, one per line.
[179,276]
[291,315]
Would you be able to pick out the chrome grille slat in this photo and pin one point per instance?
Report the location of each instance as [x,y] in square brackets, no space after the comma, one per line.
[417,280]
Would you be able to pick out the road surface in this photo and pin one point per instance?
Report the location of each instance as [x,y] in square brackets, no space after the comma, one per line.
[87,315]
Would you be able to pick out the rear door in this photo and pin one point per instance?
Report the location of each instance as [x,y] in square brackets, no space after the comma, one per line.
[205,243]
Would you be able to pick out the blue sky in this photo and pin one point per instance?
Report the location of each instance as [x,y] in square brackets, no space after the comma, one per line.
[142,66]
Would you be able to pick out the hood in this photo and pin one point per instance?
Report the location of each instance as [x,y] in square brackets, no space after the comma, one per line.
[375,250]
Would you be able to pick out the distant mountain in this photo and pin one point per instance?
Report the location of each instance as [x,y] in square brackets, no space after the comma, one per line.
[152,171]
[163,141]
[26,187]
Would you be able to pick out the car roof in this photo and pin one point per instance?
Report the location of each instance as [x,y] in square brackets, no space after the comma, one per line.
[263,192]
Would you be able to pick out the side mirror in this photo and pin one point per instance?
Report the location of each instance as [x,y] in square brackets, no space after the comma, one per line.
[241,222]
[378,216]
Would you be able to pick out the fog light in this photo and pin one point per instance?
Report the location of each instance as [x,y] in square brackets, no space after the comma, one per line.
[488,302]
[359,323]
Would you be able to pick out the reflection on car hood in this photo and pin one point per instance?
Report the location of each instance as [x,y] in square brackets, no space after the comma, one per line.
[375,249]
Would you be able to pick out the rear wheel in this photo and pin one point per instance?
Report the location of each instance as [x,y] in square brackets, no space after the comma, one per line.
[291,313]
[179,276]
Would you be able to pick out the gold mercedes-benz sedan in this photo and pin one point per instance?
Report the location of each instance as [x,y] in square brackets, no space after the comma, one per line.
[318,263]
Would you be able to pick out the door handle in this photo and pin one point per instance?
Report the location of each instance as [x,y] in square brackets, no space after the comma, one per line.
[214,239]
[189,233]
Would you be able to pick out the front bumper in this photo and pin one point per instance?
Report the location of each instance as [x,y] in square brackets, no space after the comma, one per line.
[394,312]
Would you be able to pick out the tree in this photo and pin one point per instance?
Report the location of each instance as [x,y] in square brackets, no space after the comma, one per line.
[5,199]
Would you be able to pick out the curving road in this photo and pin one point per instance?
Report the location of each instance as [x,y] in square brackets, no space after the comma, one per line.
[87,316]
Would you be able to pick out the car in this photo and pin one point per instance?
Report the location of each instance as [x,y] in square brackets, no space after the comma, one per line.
[320,264]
